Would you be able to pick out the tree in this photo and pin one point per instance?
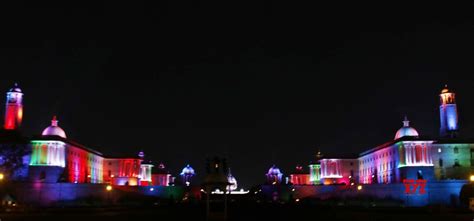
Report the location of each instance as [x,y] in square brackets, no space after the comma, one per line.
[13,158]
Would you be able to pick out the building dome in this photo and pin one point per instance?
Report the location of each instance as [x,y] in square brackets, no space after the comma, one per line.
[233,182]
[445,89]
[54,129]
[15,88]
[188,170]
[274,170]
[406,130]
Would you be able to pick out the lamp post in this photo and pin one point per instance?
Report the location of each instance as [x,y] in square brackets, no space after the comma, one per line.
[216,179]
[108,189]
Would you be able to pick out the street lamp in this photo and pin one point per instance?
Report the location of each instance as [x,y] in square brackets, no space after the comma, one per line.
[108,188]
[471,178]
[359,187]
[2,176]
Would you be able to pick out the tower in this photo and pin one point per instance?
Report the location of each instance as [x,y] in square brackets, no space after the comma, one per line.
[14,108]
[448,113]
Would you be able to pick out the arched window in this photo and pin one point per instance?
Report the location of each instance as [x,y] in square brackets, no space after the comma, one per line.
[456,163]
[419,175]
[42,175]
[418,153]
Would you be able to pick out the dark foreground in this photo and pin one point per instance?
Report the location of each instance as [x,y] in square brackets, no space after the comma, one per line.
[242,212]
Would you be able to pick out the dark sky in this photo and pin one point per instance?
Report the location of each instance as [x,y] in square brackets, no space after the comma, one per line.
[259,83]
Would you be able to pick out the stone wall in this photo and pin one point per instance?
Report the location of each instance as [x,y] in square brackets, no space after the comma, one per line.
[46,194]
[436,193]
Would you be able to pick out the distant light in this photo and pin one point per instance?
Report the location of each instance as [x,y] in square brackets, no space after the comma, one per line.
[2,176]
[297,200]
[293,190]
[274,182]
[112,176]
[108,188]
[350,177]
[373,176]
[471,178]
[217,165]
[352,184]
[359,187]
[88,176]
[187,183]
[151,189]
[439,150]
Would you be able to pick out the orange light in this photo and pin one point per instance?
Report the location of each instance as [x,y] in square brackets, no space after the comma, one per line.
[20,114]
[108,188]
[470,178]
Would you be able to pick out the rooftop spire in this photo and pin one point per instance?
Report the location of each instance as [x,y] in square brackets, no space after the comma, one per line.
[445,89]
[406,122]
[54,121]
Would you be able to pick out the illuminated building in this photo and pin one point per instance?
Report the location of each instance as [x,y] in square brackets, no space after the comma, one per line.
[274,175]
[13,108]
[300,177]
[80,164]
[187,174]
[411,156]
[161,177]
[338,171]
[145,174]
[314,173]
[55,158]
[123,171]
[391,162]
[315,170]
[448,113]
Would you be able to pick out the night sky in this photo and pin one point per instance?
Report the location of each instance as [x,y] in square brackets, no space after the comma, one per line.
[260,83]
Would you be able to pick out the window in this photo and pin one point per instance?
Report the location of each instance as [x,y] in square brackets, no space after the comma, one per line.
[440,162]
[456,150]
[472,157]
[439,150]
[419,175]
[42,175]
[352,163]
[456,163]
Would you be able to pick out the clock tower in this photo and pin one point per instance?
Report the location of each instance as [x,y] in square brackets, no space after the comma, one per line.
[14,108]
[448,113]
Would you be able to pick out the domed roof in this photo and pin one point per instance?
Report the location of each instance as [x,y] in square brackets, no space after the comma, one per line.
[406,130]
[15,88]
[445,89]
[161,169]
[54,129]
[274,170]
[188,170]
[233,182]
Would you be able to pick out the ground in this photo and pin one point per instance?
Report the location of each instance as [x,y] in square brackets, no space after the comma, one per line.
[242,212]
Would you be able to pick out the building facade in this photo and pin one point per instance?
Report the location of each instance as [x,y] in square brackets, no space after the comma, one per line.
[409,155]
[56,158]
